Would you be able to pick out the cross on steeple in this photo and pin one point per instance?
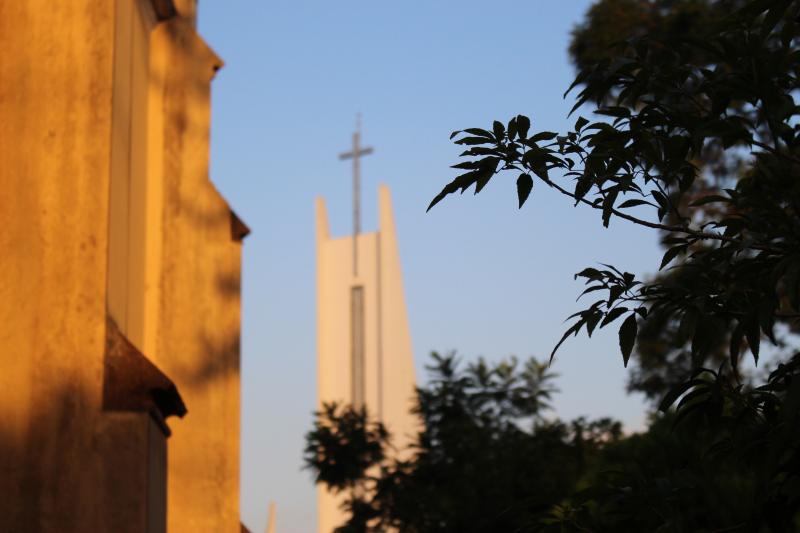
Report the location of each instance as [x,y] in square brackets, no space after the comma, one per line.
[355,154]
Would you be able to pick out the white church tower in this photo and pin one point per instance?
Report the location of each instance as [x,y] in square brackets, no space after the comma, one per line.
[364,355]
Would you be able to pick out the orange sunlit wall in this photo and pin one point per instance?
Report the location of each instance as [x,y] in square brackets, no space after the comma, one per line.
[119,275]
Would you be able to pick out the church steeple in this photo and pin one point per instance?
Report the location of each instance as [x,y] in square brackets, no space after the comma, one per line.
[364,354]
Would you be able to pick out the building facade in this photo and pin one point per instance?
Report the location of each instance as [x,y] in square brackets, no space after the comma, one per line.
[119,275]
[364,353]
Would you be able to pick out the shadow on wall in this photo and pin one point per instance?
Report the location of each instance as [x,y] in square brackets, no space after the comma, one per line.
[213,218]
[204,262]
[218,344]
[33,459]
[74,467]
[229,285]
[217,359]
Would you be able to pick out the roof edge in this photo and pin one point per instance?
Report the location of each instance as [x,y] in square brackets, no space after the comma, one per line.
[131,382]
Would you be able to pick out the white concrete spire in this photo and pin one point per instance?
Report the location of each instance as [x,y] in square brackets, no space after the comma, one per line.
[364,354]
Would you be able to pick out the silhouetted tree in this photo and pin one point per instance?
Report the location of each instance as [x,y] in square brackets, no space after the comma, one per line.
[660,357]
[702,132]
[742,266]
[485,458]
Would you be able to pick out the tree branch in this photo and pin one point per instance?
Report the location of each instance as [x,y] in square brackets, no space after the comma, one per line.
[776,152]
[654,225]
[669,200]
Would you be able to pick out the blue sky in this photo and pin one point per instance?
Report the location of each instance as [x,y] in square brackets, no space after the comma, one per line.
[481,277]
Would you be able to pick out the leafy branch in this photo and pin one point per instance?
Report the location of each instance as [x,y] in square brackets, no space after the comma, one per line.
[661,117]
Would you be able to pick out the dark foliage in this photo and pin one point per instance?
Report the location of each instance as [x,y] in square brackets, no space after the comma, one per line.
[660,360]
[725,461]
[484,460]
[701,131]
[739,270]
[609,23]
[343,445]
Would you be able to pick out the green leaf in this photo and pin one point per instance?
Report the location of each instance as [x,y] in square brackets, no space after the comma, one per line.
[592,320]
[480,133]
[466,165]
[627,337]
[633,203]
[671,254]
[499,130]
[590,289]
[436,199]
[700,398]
[696,399]
[580,123]
[573,330]
[460,183]
[523,125]
[471,141]
[615,269]
[663,203]
[524,187]
[541,171]
[483,178]
[613,315]
[753,335]
[674,393]
[543,136]
[580,78]
[709,199]
[608,206]
[591,273]
[614,292]
[583,185]
[774,15]
[512,128]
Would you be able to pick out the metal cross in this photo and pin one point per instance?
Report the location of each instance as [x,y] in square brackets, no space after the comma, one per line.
[355,155]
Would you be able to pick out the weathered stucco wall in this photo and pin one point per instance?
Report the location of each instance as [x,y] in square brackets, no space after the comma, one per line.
[198,340]
[66,464]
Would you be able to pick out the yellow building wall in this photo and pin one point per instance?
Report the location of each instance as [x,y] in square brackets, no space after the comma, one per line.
[66,464]
[199,303]
[388,367]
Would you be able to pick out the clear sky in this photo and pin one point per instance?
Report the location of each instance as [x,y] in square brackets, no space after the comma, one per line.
[481,277]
